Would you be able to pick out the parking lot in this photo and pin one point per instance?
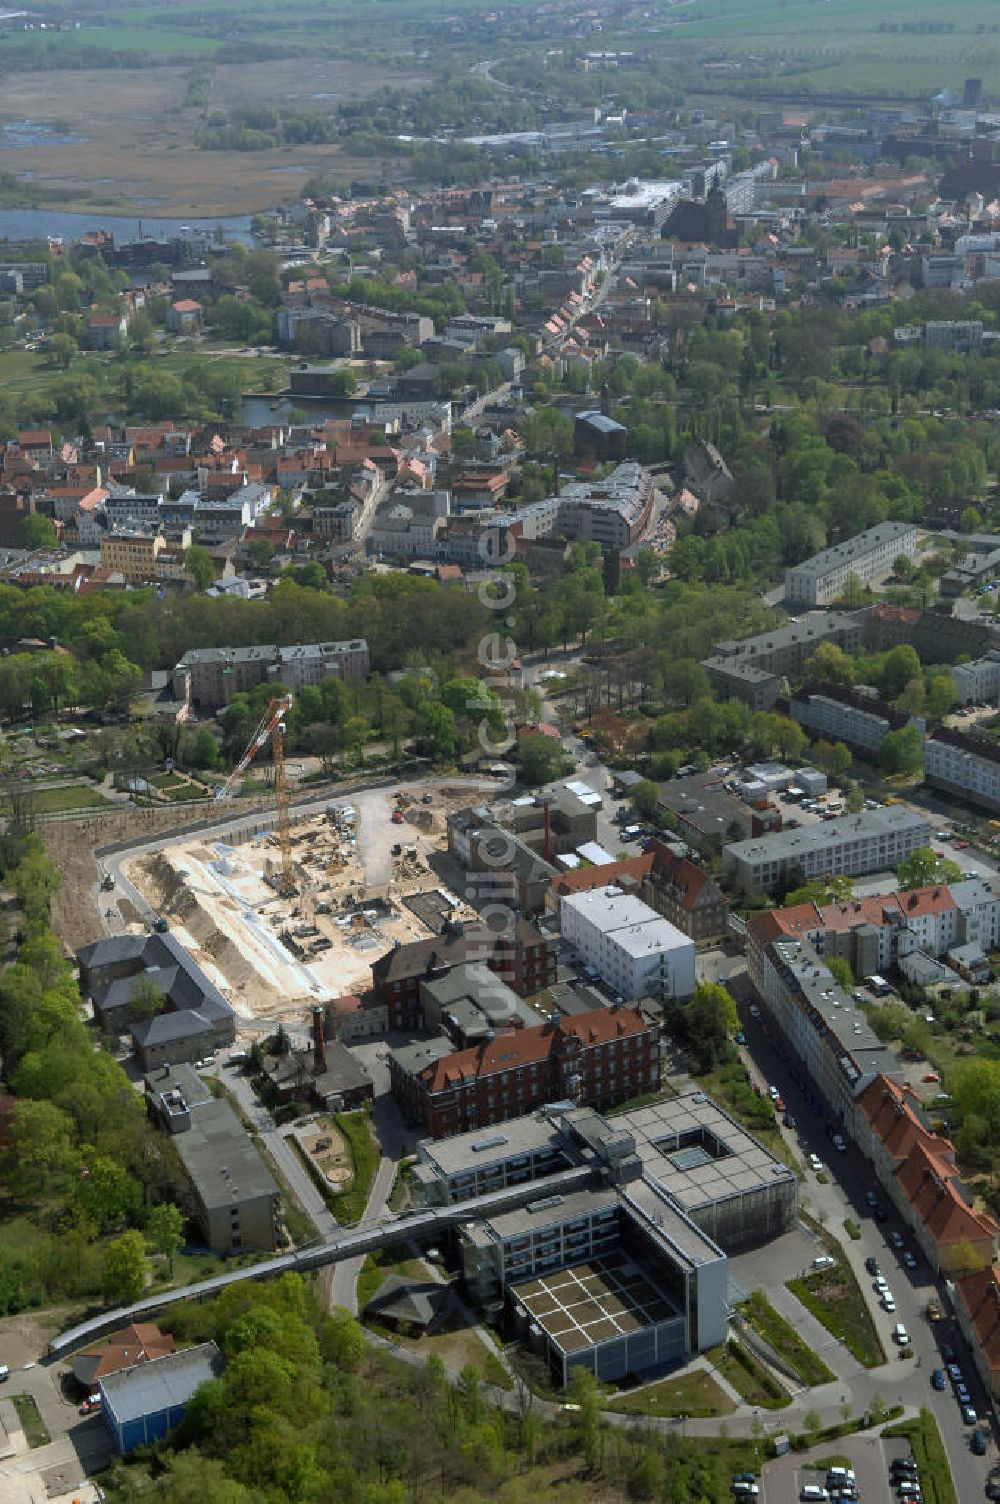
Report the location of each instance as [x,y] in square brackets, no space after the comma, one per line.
[868,1456]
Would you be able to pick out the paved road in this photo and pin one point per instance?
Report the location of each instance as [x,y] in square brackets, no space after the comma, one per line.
[896,1381]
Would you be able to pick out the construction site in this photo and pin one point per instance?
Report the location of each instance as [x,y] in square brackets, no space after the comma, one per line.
[284,919]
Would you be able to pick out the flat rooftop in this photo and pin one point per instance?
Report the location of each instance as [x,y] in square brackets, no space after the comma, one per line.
[785,845]
[594,1302]
[697,1153]
[557,1208]
[487,1146]
[222,1160]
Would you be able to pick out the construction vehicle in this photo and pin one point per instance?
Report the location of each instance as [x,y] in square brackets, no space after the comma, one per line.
[271,729]
[107,882]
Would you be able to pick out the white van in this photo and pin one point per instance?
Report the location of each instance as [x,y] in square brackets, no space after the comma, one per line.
[900,1334]
[813,1493]
[744,1490]
[835,1476]
[4,1373]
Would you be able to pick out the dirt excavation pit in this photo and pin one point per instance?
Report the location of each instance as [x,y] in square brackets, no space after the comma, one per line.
[275,957]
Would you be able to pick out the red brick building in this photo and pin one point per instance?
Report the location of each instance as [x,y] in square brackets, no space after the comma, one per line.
[594,1060]
[522,957]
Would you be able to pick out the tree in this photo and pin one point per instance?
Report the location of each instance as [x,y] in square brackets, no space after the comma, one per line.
[35,881]
[923,868]
[198,565]
[39,1145]
[902,751]
[841,971]
[706,1024]
[646,798]
[965,1259]
[540,759]
[899,666]
[125,1268]
[147,999]
[37,531]
[62,348]
[830,662]
[165,1231]
[260,552]
[205,750]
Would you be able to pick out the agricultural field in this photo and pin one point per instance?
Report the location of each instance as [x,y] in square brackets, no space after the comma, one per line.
[897,47]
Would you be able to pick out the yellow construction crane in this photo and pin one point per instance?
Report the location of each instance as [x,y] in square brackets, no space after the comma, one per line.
[271,729]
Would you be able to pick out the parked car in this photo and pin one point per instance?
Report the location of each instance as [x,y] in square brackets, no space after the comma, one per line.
[908,1260]
[839,1143]
[815,1163]
[90,1404]
[896,1239]
[937,1379]
[969,1415]
[978,1442]
[871,1265]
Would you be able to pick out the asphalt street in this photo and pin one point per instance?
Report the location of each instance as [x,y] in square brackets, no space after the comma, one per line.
[903,1381]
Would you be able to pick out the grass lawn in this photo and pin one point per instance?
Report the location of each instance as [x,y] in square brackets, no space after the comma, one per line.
[695,1394]
[929,1455]
[32,1424]
[782,1336]
[748,1375]
[68,796]
[356,1128]
[834,1298]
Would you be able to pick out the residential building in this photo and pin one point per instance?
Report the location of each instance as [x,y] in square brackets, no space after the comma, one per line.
[195,1019]
[210,677]
[753,668]
[633,949]
[684,893]
[966,764]
[854,715]
[822,1027]
[976,1302]
[236,1201]
[595,1059]
[471,1004]
[184,316]
[132,554]
[854,844]
[706,472]
[142,1405]
[978,680]
[870,556]
[916,1168]
[876,932]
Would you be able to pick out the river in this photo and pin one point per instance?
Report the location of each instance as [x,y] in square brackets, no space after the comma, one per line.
[40,224]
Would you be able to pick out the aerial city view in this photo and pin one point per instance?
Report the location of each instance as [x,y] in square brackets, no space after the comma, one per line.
[499,752]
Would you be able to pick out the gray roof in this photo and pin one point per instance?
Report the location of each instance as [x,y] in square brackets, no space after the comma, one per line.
[413,1057]
[164,1027]
[853,548]
[785,845]
[161,1384]
[600,421]
[221,1159]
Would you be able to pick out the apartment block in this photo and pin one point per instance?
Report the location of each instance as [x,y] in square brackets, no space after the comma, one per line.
[978,680]
[870,556]
[521,957]
[855,844]
[966,764]
[819,1022]
[633,949]
[851,715]
[210,677]
[132,554]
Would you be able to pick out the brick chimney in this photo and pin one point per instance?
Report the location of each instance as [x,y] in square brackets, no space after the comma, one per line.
[547,849]
[319,1042]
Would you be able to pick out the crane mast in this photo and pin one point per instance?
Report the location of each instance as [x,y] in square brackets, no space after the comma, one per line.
[271,728]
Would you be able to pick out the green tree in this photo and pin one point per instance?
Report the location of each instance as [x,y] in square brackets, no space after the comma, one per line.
[39,1145]
[830,662]
[923,868]
[540,759]
[205,750]
[37,531]
[165,1231]
[645,796]
[125,1268]
[902,751]
[62,348]
[35,881]
[841,971]
[260,552]
[198,565]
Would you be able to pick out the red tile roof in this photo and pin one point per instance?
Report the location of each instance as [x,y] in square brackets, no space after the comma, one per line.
[980,1295]
[531,1046]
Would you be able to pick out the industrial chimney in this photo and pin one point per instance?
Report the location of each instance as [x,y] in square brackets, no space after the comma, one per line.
[319,1042]
[547,849]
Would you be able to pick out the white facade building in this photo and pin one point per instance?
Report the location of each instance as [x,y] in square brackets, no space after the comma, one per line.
[635,951]
[854,844]
[964,764]
[870,556]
